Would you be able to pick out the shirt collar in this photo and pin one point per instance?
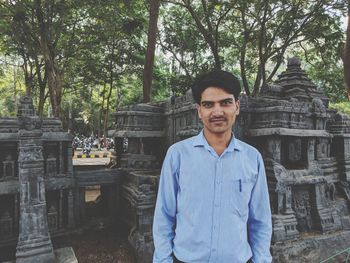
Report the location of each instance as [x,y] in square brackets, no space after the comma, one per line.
[200,140]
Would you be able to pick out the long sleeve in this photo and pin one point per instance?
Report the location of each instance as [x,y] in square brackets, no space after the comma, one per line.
[259,222]
[165,211]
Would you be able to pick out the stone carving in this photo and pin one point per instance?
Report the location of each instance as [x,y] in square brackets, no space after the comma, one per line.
[30,154]
[29,123]
[139,195]
[294,150]
[281,190]
[330,191]
[301,206]
[8,167]
[345,187]
[274,149]
[34,243]
[25,141]
[305,145]
[51,169]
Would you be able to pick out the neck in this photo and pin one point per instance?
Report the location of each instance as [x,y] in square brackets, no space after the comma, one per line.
[219,142]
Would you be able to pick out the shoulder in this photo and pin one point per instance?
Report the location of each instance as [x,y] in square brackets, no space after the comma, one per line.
[178,152]
[182,146]
[249,151]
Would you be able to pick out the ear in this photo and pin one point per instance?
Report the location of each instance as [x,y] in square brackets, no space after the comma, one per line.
[199,111]
[238,105]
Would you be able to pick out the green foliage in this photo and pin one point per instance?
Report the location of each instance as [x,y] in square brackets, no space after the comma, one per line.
[99,49]
[11,88]
[343,107]
[254,36]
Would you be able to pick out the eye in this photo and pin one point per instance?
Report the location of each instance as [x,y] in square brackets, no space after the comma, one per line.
[226,102]
[207,105]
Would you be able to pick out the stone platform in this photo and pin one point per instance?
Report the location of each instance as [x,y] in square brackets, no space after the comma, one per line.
[312,249]
[63,255]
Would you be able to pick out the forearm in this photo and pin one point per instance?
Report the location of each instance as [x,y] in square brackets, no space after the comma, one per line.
[165,212]
[163,235]
[259,232]
[259,222]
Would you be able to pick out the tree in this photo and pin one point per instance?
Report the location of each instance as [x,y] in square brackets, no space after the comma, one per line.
[214,14]
[151,46]
[111,48]
[17,27]
[42,32]
[346,54]
[256,36]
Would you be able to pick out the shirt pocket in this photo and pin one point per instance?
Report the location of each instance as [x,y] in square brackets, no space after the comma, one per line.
[241,190]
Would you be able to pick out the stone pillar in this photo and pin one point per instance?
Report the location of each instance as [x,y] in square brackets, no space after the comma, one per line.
[311,150]
[34,242]
[274,148]
[15,214]
[60,209]
[70,209]
[70,160]
[60,158]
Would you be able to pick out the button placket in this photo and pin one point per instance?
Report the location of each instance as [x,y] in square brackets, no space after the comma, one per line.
[217,199]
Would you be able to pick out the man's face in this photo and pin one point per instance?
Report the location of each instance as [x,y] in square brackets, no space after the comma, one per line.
[218,111]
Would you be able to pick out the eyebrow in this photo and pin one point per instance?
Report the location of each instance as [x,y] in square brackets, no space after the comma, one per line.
[220,101]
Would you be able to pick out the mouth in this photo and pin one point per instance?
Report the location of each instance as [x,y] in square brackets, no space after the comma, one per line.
[217,120]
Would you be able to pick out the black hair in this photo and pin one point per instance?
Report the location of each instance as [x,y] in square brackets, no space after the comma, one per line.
[218,79]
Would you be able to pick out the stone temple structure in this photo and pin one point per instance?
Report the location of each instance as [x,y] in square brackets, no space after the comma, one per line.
[304,143]
[40,196]
[306,150]
[36,183]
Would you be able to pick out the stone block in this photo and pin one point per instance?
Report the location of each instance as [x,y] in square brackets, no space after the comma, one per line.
[65,255]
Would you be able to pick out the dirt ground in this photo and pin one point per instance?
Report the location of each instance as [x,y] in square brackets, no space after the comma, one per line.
[99,245]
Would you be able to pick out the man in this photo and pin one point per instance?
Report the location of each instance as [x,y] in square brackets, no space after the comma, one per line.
[213,203]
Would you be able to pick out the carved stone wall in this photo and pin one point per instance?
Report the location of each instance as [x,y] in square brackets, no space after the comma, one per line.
[304,143]
[35,157]
[305,146]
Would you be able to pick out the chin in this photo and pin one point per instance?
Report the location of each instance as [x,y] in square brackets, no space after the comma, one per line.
[218,130]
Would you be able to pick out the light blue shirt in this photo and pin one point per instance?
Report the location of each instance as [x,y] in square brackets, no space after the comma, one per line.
[212,208]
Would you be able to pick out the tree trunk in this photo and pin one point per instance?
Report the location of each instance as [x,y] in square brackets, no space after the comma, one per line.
[28,75]
[151,46]
[243,70]
[105,124]
[42,86]
[346,55]
[257,82]
[53,74]
[207,34]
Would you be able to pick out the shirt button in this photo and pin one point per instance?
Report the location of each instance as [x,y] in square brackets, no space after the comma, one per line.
[214,250]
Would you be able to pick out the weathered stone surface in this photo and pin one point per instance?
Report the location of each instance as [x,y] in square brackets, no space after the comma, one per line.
[312,249]
[37,188]
[305,146]
[34,243]
[65,255]
[62,255]
[137,207]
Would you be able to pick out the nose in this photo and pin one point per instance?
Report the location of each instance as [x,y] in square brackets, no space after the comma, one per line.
[217,111]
